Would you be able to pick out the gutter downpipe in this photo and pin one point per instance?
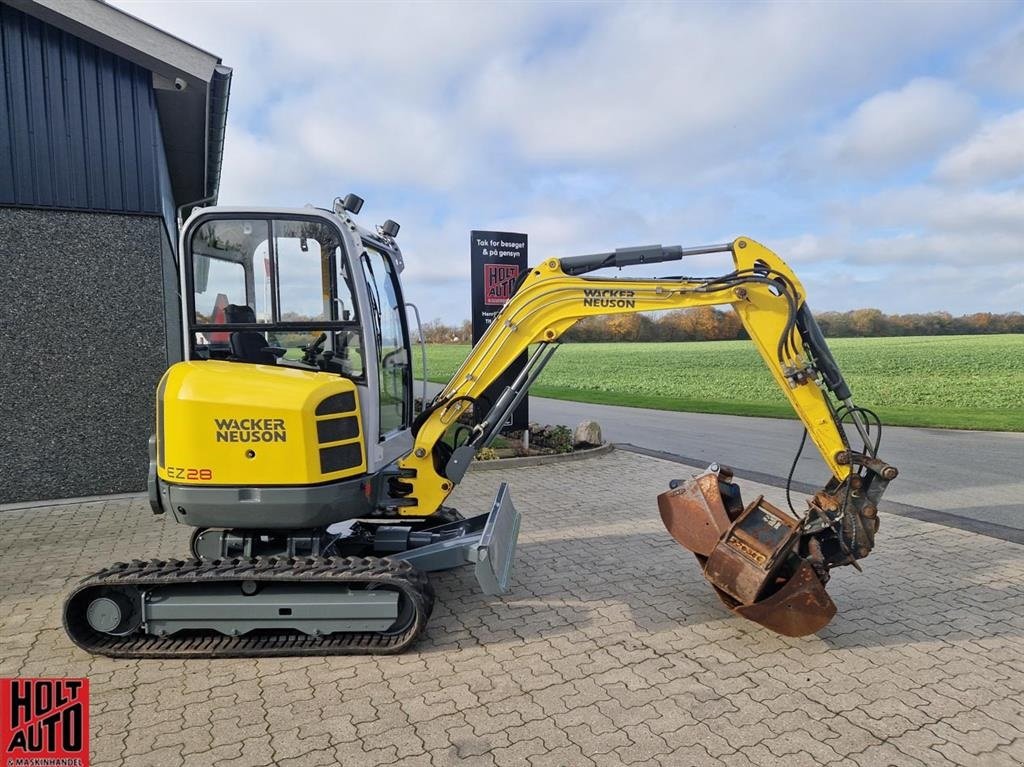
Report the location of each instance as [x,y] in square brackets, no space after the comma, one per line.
[193,204]
[216,126]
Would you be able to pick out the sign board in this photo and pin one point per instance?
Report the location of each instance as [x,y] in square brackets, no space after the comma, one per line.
[497,259]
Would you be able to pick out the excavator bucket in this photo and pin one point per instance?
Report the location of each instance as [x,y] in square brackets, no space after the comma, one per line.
[750,554]
[799,608]
[694,514]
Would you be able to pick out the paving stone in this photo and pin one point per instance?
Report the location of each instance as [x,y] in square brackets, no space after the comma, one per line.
[291,744]
[255,752]
[519,753]
[324,758]
[698,734]
[610,649]
[468,744]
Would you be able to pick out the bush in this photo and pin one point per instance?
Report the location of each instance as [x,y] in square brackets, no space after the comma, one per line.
[556,438]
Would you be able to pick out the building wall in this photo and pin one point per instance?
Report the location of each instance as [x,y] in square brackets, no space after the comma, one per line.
[83,343]
[78,125]
[89,307]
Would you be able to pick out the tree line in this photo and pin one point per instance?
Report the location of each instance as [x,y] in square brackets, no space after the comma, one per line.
[709,324]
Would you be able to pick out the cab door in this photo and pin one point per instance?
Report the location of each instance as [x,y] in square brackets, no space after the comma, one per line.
[391,350]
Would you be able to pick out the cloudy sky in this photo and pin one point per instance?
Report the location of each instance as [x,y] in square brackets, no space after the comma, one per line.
[878,148]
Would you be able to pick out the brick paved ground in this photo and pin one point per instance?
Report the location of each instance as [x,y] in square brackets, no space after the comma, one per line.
[610,650]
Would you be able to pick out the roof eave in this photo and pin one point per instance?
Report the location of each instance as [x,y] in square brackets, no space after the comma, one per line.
[191,85]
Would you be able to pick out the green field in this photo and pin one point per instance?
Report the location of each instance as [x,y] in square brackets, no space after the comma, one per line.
[964,382]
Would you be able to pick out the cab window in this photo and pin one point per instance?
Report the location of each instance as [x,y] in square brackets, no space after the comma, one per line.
[288,276]
[392,350]
[304,271]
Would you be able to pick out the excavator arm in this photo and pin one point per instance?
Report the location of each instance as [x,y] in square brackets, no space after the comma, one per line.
[763,562]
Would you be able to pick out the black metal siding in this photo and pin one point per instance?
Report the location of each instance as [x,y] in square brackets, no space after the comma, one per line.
[78,125]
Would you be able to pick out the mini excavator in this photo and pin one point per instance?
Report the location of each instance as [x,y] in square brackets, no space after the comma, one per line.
[287,440]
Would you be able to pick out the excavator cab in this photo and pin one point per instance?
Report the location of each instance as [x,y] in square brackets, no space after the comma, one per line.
[284,290]
[296,375]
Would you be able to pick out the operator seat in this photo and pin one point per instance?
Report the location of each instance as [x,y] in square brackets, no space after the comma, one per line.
[247,345]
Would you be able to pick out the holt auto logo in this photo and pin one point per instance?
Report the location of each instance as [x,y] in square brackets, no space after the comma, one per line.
[499,280]
[44,722]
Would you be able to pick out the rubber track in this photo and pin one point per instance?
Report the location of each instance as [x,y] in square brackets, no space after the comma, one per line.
[399,576]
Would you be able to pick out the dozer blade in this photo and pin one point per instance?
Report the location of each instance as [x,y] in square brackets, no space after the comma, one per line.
[496,551]
[750,557]
[488,541]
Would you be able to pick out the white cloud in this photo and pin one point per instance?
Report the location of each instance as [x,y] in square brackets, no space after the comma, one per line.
[261,170]
[921,248]
[657,89]
[686,86]
[595,126]
[897,128]
[810,249]
[422,149]
[1000,64]
[995,152]
[908,288]
[970,253]
[968,212]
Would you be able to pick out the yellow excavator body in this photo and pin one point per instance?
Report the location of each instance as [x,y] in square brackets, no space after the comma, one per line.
[272,426]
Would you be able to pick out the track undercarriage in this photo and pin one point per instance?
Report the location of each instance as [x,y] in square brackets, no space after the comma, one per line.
[355,588]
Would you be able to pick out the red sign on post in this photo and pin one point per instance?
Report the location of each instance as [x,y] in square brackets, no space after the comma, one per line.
[44,722]
[499,279]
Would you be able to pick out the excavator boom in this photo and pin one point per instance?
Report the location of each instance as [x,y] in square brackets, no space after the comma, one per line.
[765,564]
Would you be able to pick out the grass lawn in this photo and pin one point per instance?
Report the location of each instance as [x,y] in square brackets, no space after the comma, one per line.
[964,382]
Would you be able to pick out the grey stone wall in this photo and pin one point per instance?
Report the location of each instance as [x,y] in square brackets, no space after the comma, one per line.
[83,343]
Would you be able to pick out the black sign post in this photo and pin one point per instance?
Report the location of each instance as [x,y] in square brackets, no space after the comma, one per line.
[498,259]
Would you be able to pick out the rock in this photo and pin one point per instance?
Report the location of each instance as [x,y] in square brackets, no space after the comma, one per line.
[587,434]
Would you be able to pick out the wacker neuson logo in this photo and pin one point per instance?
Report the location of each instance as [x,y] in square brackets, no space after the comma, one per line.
[608,298]
[250,430]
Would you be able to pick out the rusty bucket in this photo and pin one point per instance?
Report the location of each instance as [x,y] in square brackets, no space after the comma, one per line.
[693,513]
[750,556]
